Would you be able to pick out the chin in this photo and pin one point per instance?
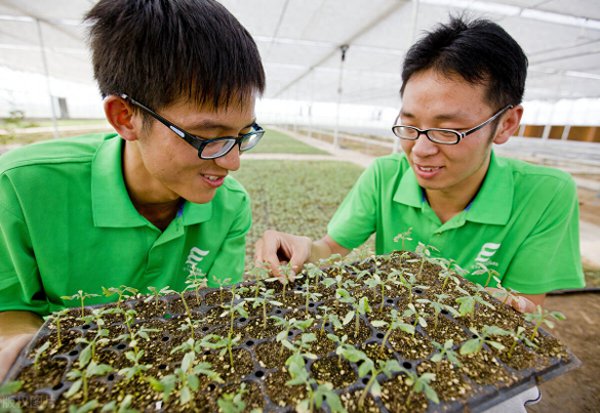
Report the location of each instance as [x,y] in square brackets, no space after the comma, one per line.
[200,198]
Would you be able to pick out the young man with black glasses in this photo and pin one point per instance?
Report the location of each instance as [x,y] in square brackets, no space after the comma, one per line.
[145,205]
[462,89]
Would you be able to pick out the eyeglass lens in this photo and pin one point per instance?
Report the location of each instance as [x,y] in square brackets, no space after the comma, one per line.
[221,147]
[445,136]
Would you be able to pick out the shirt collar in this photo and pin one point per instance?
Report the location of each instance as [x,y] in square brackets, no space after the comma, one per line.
[409,192]
[491,205]
[111,205]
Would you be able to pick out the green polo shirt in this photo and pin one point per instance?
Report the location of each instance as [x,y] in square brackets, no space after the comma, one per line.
[67,224]
[525,218]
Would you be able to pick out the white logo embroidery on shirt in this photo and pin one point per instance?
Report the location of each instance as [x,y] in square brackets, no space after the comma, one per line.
[487,251]
[196,255]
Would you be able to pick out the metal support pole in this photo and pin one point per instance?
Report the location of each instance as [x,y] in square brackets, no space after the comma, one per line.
[310,123]
[336,143]
[310,104]
[567,129]
[546,132]
[415,18]
[47,74]
[565,133]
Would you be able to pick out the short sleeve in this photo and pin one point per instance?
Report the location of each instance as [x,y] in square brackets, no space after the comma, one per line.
[355,219]
[549,258]
[20,285]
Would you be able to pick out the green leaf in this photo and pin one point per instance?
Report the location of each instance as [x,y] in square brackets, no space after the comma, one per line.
[109,407]
[85,356]
[100,370]
[88,407]
[375,389]
[365,368]
[187,361]
[288,345]
[186,396]
[378,323]
[10,388]
[348,317]
[496,331]
[470,346]
[334,403]
[431,394]
[407,328]
[74,388]
[282,335]
[193,381]
[155,384]
[496,345]
[391,366]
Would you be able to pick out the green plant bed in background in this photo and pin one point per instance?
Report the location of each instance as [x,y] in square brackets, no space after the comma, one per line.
[280,142]
[298,197]
[396,333]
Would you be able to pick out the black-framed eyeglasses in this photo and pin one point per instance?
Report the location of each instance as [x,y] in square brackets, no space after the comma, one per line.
[441,136]
[207,148]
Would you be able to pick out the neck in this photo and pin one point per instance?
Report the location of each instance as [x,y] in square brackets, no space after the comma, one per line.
[447,205]
[161,214]
[149,197]
[449,202]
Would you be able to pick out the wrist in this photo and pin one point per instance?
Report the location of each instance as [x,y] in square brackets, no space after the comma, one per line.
[318,250]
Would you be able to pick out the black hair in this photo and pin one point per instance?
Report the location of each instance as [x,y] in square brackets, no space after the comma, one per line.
[480,51]
[159,51]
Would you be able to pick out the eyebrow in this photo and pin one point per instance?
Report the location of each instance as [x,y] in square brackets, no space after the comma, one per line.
[441,117]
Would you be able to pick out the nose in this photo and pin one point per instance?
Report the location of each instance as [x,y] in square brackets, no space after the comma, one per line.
[231,161]
[423,147]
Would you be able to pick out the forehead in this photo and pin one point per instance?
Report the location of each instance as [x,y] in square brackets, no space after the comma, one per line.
[430,90]
[234,111]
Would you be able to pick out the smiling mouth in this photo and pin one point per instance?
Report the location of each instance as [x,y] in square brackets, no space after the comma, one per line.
[213,177]
[428,168]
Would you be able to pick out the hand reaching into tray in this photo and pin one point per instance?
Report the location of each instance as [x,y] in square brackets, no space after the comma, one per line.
[523,303]
[17,328]
[275,248]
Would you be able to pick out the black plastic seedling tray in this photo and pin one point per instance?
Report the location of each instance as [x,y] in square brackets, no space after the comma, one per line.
[260,359]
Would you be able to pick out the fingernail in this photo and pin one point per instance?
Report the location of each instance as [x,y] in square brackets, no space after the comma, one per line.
[521,304]
[292,275]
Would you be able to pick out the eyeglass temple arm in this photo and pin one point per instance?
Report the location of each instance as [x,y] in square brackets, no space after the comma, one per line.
[476,128]
[162,120]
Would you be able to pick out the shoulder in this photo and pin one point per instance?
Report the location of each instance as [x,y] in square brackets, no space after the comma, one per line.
[393,164]
[528,176]
[385,172]
[234,186]
[66,151]
[232,193]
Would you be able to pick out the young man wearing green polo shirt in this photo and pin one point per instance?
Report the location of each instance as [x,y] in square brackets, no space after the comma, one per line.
[462,88]
[150,203]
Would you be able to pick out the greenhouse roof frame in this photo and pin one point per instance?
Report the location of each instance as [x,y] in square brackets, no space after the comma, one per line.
[301,43]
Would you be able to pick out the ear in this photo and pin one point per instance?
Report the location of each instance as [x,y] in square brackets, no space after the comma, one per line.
[509,123]
[120,115]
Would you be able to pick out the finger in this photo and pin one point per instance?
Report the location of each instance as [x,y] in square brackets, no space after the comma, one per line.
[525,305]
[9,354]
[262,257]
[258,252]
[496,293]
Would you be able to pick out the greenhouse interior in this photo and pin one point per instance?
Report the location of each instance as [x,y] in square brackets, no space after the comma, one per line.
[330,116]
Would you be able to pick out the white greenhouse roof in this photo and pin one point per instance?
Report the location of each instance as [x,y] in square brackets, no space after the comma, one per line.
[300,43]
